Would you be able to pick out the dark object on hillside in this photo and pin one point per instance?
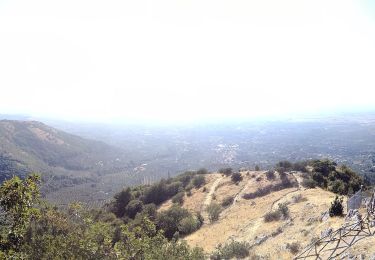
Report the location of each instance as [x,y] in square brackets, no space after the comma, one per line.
[270,174]
[236,177]
[336,209]
[226,171]
[284,184]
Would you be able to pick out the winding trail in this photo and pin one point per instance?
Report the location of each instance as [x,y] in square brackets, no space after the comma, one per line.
[298,179]
[208,199]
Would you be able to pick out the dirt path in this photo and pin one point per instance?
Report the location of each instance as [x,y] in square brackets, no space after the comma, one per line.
[299,180]
[241,193]
[208,199]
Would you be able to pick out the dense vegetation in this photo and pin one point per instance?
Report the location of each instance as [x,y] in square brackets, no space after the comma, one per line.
[64,160]
[130,227]
[328,175]
[10,167]
[33,230]
[132,204]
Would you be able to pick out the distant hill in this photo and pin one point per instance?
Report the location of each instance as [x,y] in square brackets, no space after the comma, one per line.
[62,159]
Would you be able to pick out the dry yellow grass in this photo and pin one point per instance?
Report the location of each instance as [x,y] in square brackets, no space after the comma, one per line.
[194,203]
[244,220]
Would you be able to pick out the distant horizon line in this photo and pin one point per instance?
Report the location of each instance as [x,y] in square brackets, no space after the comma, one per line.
[208,120]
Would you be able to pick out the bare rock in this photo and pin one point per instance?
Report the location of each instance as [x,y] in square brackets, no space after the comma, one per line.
[326,232]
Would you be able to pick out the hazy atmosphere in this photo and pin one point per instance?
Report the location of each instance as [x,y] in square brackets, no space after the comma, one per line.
[187,129]
[185,60]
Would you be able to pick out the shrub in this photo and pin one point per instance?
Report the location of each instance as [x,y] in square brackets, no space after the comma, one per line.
[298,198]
[236,177]
[227,201]
[284,210]
[272,216]
[202,171]
[200,218]
[257,168]
[149,211]
[282,174]
[232,250]
[320,179]
[185,178]
[323,166]
[133,207]
[336,208]
[293,247]
[259,179]
[338,187]
[120,202]
[284,164]
[188,225]
[309,183]
[270,175]
[281,212]
[213,211]
[199,181]
[285,183]
[226,171]
[169,220]
[178,198]
[173,188]
[300,166]
[258,193]
[189,187]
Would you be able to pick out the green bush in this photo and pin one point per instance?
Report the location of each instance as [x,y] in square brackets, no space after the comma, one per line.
[36,230]
[133,207]
[120,202]
[232,250]
[227,201]
[309,183]
[336,209]
[293,247]
[213,211]
[270,175]
[284,210]
[179,198]
[338,179]
[338,187]
[284,164]
[202,171]
[281,212]
[226,171]
[236,177]
[169,220]
[188,225]
[199,181]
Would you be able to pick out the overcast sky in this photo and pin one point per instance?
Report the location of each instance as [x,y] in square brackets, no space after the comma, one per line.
[183,60]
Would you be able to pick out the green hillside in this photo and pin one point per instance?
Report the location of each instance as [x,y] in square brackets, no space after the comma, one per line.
[62,158]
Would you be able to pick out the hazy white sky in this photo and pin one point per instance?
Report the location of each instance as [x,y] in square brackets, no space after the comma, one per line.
[181,59]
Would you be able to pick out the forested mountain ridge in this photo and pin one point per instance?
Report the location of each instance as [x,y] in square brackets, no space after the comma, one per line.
[27,146]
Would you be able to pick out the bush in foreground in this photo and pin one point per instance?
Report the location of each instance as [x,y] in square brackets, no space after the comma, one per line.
[199,181]
[236,177]
[281,212]
[336,209]
[227,201]
[231,250]
[213,211]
